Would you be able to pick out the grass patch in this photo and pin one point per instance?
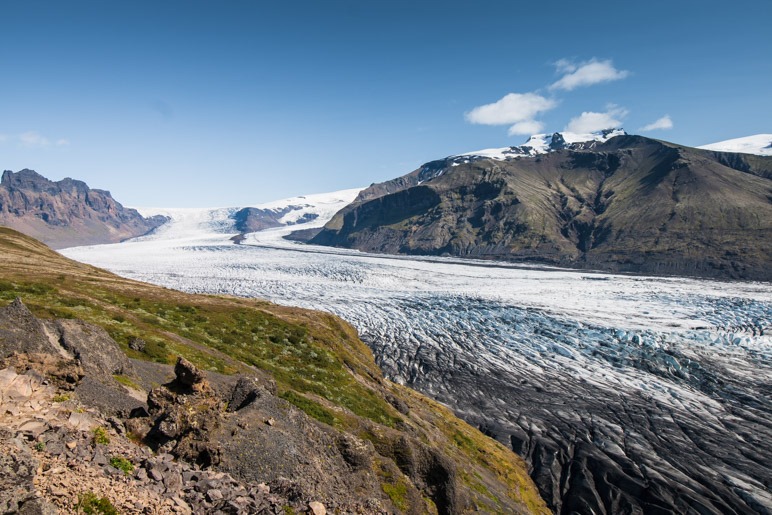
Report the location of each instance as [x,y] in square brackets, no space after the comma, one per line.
[311,408]
[122,464]
[127,381]
[306,356]
[90,503]
[100,436]
[61,397]
[398,494]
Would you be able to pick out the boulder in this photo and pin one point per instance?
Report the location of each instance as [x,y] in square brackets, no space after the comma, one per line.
[187,373]
[137,344]
[21,332]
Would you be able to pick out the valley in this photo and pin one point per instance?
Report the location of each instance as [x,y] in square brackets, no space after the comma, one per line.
[623,393]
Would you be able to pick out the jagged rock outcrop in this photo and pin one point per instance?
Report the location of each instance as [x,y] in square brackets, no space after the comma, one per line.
[67,213]
[631,204]
[96,355]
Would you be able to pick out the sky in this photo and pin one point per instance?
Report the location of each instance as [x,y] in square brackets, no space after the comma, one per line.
[234,103]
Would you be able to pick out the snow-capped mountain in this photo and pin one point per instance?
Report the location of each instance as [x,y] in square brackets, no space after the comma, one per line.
[575,202]
[542,144]
[759,144]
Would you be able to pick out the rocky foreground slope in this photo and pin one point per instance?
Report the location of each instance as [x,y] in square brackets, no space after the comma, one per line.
[67,213]
[291,413]
[626,203]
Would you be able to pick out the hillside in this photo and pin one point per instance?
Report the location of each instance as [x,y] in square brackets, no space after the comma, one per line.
[344,436]
[67,213]
[628,203]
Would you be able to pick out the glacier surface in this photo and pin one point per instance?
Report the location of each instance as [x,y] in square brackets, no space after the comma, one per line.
[623,393]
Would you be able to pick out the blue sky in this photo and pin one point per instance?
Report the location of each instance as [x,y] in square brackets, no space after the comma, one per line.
[203,103]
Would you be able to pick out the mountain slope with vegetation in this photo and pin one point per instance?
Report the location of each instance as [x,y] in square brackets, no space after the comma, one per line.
[321,391]
[628,204]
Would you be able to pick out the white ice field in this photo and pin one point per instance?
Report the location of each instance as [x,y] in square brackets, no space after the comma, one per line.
[596,335]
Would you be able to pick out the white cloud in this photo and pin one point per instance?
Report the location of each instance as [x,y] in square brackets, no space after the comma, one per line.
[663,123]
[586,74]
[565,66]
[527,127]
[33,139]
[590,121]
[512,108]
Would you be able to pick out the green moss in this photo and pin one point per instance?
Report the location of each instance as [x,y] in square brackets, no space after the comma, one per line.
[397,492]
[311,408]
[62,397]
[123,464]
[100,436]
[89,503]
[464,442]
[127,381]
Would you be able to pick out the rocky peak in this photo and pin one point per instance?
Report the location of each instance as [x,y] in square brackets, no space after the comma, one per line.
[67,212]
[557,142]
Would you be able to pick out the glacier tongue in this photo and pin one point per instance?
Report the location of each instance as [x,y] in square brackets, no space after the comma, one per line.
[623,393]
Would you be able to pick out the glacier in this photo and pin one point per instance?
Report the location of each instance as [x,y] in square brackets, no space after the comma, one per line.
[623,393]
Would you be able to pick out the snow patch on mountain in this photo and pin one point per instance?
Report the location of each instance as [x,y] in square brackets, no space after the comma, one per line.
[759,144]
[541,144]
[323,205]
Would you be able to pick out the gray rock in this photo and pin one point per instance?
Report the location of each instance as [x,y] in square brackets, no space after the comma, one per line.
[137,344]
[245,391]
[141,474]
[156,475]
[21,332]
[172,481]
[96,351]
[99,457]
[214,495]
[187,373]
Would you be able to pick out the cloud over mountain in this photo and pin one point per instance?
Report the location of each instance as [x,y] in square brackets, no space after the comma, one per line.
[663,123]
[587,73]
[590,121]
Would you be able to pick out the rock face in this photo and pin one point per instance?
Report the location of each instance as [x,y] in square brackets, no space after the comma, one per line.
[67,213]
[629,204]
[258,436]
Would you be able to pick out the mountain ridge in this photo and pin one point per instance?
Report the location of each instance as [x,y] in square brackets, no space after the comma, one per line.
[626,204]
[67,213]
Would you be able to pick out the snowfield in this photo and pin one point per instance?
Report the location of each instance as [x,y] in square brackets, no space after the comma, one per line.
[664,381]
[759,144]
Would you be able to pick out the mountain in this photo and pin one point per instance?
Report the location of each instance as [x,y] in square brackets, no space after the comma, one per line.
[67,213]
[615,202]
[216,404]
[759,144]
